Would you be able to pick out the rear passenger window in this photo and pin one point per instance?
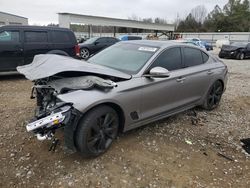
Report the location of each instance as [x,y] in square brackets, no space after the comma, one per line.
[134,38]
[192,57]
[9,36]
[170,59]
[102,40]
[205,57]
[35,36]
[60,37]
[111,40]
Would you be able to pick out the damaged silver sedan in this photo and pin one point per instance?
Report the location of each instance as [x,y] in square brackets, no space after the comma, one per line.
[123,87]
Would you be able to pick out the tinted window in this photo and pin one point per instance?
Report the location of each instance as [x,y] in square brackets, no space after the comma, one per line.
[134,38]
[101,40]
[111,40]
[192,57]
[170,59]
[60,37]
[11,36]
[205,57]
[36,36]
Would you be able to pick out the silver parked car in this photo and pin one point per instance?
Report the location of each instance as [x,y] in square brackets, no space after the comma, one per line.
[125,86]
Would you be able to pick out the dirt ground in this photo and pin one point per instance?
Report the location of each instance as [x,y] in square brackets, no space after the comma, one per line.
[180,151]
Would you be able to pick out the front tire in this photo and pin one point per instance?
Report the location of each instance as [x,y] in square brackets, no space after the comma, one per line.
[97,131]
[241,56]
[213,96]
[221,56]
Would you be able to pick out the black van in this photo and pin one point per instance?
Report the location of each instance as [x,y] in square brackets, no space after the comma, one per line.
[19,44]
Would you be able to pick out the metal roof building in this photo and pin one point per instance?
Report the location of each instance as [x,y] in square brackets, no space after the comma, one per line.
[65,19]
[11,19]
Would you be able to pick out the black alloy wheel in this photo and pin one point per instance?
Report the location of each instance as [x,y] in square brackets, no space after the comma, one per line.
[214,96]
[97,131]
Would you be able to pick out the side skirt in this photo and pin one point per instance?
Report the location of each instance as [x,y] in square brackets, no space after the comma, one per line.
[158,117]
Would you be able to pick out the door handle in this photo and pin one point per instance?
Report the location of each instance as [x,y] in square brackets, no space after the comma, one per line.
[181,79]
[210,72]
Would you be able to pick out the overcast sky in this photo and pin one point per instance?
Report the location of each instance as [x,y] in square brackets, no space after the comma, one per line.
[45,11]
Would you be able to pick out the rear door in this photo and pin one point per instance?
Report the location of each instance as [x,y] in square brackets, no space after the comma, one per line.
[35,42]
[197,74]
[100,44]
[63,40]
[11,50]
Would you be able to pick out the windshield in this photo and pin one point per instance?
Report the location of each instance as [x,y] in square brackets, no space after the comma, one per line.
[125,57]
[91,40]
[240,44]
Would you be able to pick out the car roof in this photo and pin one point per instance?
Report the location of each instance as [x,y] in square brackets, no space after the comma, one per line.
[103,37]
[33,27]
[155,43]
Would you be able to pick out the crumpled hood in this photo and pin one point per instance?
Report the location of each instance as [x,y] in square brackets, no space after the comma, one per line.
[47,65]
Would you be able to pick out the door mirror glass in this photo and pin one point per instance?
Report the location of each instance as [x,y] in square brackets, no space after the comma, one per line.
[159,72]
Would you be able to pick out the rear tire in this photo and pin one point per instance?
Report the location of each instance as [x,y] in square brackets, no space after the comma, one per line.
[213,96]
[97,131]
[84,53]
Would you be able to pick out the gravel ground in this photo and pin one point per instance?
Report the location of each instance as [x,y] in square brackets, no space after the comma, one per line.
[180,151]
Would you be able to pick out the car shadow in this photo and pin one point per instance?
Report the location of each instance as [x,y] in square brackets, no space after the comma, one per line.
[12,77]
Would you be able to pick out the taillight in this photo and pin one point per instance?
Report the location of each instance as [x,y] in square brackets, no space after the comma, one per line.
[77,50]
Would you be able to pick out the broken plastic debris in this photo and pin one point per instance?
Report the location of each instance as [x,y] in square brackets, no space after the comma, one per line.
[188,142]
[246,145]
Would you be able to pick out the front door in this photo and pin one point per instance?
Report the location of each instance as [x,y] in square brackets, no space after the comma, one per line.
[11,50]
[100,44]
[161,95]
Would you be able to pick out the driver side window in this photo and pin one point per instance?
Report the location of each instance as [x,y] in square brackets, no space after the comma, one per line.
[9,36]
[169,59]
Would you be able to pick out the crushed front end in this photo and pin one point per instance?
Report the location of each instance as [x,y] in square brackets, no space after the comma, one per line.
[52,114]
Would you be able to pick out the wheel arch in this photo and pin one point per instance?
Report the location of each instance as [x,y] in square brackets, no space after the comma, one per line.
[222,82]
[116,107]
[58,52]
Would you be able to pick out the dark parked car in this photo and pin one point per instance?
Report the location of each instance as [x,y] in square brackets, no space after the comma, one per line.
[237,50]
[125,86]
[19,44]
[94,45]
[129,37]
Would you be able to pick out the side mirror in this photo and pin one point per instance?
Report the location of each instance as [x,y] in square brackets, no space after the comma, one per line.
[158,72]
[96,42]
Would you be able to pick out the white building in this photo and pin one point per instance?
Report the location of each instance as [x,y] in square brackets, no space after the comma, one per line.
[11,19]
